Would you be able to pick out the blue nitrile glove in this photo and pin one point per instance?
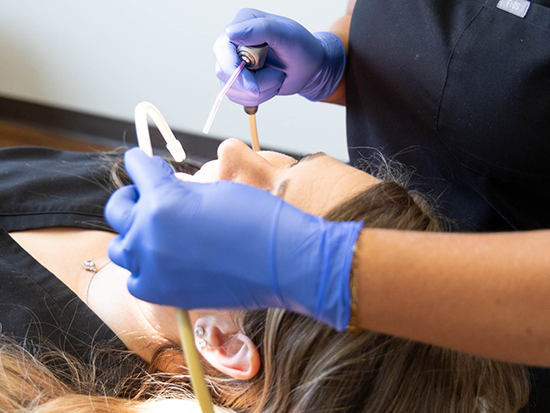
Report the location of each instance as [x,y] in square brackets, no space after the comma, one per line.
[297,61]
[227,245]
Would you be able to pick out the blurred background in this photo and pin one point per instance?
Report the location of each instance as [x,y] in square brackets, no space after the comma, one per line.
[101,58]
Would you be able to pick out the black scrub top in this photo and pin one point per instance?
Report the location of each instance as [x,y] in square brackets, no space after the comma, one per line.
[42,188]
[458,90]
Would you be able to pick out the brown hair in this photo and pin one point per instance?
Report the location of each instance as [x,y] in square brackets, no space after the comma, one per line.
[306,365]
[44,379]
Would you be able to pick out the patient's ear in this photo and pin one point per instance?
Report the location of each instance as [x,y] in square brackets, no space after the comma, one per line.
[225,347]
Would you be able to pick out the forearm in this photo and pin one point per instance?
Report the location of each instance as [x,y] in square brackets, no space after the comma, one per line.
[341,29]
[486,294]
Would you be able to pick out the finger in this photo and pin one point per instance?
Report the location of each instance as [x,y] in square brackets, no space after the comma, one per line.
[119,208]
[247,13]
[132,283]
[227,61]
[146,172]
[270,82]
[272,30]
[245,100]
[226,56]
[245,83]
[120,256]
[269,79]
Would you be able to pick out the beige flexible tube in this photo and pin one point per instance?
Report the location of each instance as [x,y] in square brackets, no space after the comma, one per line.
[193,361]
[186,329]
[254,132]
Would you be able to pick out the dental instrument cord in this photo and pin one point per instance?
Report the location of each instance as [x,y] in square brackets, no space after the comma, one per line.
[190,352]
[251,112]
[254,132]
[193,362]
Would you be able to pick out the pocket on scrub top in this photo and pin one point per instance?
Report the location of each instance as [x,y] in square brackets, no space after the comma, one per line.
[494,113]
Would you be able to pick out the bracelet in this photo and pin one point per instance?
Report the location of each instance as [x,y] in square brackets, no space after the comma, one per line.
[352,325]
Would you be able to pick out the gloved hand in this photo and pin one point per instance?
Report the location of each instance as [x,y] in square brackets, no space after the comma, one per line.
[227,245]
[297,61]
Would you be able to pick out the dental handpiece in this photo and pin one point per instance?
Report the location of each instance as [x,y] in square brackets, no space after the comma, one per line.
[254,56]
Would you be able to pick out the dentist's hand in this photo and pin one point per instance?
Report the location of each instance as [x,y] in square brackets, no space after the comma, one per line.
[297,61]
[227,245]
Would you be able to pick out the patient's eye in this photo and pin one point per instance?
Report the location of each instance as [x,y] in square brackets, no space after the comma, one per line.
[280,192]
[308,158]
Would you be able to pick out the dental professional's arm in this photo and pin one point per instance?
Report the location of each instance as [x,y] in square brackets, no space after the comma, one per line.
[485,294]
[341,29]
[230,245]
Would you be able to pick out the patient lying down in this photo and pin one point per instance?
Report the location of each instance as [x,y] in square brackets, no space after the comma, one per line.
[255,361]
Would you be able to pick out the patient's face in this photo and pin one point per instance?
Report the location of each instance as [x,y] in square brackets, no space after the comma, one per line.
[316,184]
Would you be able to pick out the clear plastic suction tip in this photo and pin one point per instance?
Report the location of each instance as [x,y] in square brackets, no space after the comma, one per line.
[218,100]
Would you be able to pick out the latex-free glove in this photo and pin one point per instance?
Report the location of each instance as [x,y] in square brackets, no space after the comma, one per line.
[297,61]
[227,245]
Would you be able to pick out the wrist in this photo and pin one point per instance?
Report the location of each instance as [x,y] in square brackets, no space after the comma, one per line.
[326,81]
[352,327]
[334,297]
[311,265]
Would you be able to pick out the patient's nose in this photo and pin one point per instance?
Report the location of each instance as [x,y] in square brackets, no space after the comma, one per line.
[241,164]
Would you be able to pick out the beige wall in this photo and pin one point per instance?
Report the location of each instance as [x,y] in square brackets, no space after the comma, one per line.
[105,56]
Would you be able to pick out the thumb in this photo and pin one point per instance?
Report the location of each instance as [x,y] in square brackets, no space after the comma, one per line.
[119,255]
[119,210]
[144,170]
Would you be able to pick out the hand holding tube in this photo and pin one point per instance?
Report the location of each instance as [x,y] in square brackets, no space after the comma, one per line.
[227,245]
[297,61]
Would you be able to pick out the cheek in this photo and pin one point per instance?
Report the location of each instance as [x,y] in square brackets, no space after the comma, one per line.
[310,190]
[304,200]
[251,171]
